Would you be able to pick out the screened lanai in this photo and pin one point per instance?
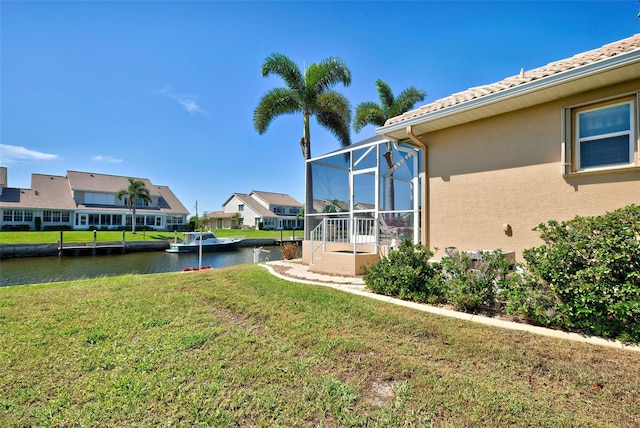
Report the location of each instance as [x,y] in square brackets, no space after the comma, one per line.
[366,196]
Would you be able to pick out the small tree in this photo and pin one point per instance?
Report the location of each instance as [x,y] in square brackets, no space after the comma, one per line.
[137,191]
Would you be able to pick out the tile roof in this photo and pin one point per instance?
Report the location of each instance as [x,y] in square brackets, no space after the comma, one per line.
[554,68]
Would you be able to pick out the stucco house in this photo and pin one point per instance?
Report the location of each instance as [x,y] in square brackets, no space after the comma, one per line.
[271,210]
[85,200]
[495,161]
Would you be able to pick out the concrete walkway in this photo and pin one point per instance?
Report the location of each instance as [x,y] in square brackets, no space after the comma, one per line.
[295,271]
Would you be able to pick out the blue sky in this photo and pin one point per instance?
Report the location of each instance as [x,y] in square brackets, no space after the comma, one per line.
[166,90]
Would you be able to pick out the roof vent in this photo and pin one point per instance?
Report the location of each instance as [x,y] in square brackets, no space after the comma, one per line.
[522,72]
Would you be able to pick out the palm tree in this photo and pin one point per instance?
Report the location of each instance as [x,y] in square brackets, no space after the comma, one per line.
[136,191]
[370,113]
[311,94]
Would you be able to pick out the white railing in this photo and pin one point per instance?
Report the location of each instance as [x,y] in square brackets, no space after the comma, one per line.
[362,234]
[356,232]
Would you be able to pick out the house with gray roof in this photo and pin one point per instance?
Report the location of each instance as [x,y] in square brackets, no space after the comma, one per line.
[86,200]
[268,210]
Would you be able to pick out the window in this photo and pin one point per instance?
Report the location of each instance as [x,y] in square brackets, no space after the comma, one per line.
[172,219]
[17,215]
[603,136]
[241,207]
[141,202]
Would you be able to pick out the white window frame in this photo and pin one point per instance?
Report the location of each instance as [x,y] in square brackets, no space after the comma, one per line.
[572,142]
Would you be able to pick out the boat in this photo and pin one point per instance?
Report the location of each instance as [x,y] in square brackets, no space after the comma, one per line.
[208,241]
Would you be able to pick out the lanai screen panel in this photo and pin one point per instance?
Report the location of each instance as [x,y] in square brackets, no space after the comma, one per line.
[400,176]
[359,179]
[331,179]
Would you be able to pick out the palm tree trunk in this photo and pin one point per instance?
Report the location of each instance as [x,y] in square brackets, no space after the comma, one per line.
[133,220]
[308,178]
[391,194]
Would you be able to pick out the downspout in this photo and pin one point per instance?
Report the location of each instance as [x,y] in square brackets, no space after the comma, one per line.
[424,178]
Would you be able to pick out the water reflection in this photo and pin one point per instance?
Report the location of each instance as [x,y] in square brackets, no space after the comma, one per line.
[36,270]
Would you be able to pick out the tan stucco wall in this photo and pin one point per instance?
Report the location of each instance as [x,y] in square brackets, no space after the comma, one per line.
[339,258]
[506,170]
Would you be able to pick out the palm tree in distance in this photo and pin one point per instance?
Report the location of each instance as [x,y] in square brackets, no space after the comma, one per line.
[370,113]
[136,191]
[310,93]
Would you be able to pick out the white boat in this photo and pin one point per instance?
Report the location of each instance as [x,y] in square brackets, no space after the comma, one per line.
[193,241]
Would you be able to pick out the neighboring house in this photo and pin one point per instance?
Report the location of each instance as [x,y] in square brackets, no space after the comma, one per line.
[493,162]
[549,143]
[84,200]
[271,210]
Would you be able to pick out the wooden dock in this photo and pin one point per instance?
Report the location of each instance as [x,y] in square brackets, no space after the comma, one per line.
[90,249]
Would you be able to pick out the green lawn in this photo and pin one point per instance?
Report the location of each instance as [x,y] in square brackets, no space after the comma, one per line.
[51,237]
[239,347]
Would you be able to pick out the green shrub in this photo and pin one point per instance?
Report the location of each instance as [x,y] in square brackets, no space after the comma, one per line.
[586,277]
[472,285]
[57,227]
[406,273]
[16,227]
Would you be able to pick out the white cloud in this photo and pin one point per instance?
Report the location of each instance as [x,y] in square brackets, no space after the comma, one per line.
[111,159]
[187,101]
[12,154]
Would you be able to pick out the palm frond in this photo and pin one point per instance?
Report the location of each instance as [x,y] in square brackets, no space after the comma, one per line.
[322,76]
[274,103]
[335,124]
[335,103]
[284,67]
[368,113]
[386,96]
[407,100]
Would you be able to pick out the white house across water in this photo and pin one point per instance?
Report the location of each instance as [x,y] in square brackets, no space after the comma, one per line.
[86,200]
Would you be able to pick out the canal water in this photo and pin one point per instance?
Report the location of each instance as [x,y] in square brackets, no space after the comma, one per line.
[37,270]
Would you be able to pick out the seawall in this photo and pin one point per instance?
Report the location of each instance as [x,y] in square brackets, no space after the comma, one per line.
[8,251]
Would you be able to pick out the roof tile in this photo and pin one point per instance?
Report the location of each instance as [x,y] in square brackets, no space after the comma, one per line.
[607,51]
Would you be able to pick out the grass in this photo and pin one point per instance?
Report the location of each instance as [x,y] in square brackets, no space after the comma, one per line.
[50,237]
[239,347]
